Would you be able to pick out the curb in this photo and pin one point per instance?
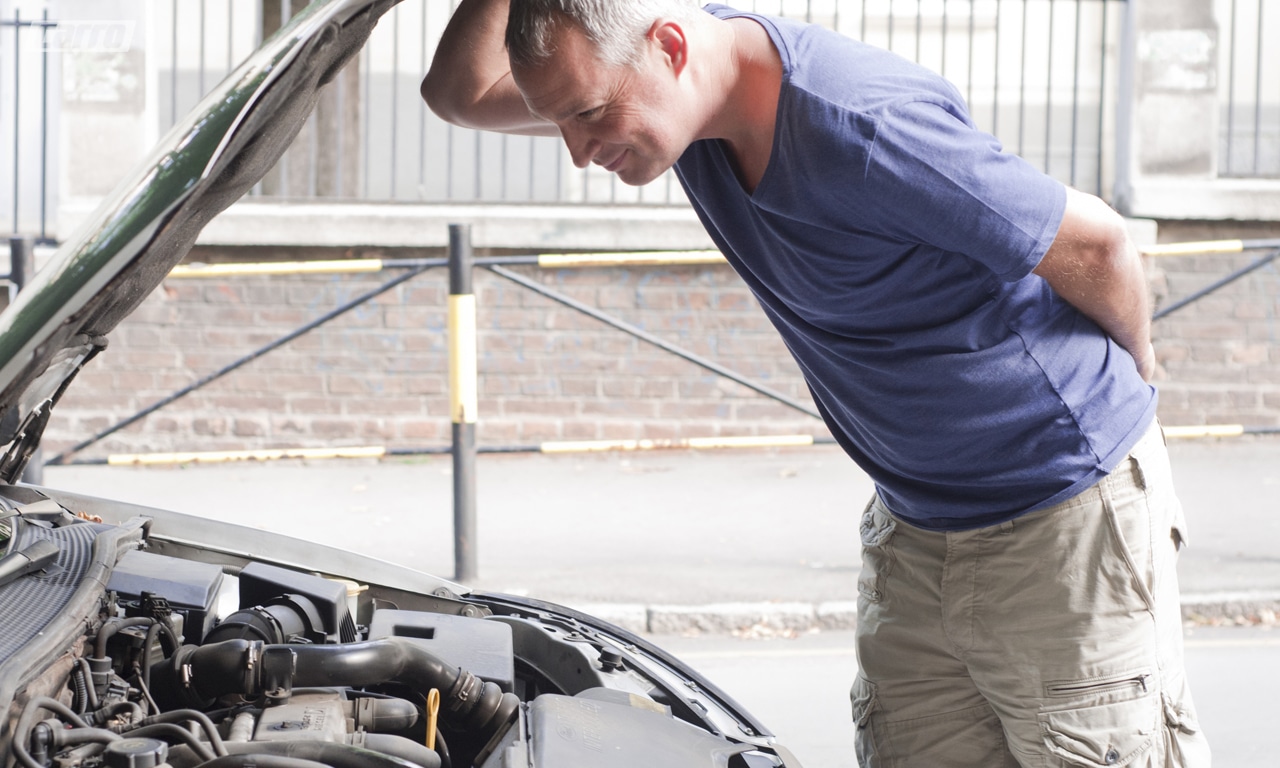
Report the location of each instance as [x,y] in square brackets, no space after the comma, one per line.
[793,618]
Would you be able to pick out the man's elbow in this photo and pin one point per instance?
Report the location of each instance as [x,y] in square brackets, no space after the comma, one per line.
[441,98]
[1093,241]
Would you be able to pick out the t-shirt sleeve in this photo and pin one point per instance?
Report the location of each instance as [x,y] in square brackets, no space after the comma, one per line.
[938,180]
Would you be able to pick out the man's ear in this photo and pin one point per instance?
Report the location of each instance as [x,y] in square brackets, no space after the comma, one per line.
[669,36]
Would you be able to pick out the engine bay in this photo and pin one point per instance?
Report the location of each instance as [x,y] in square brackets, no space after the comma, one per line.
[128,645]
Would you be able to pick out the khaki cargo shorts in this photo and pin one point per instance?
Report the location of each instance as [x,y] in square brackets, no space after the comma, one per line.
[1051,640]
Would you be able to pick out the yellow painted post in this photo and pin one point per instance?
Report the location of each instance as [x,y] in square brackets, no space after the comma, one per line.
[463,401]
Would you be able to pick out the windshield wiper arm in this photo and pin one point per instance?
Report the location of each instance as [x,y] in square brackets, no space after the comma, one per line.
[33,557]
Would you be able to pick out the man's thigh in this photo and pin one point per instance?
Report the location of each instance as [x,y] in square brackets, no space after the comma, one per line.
[913,700]
[1077,632]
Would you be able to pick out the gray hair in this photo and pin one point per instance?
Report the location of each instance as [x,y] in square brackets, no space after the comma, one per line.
[615,27]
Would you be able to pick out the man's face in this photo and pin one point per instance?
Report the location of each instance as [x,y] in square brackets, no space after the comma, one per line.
[618,117]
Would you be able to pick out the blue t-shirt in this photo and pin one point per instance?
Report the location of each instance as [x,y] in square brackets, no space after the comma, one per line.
[892,244]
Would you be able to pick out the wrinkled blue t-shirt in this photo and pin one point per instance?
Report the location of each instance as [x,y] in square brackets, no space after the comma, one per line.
[892,244]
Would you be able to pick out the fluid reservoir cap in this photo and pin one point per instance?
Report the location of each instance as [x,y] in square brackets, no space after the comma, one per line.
[135,753]
[610,659]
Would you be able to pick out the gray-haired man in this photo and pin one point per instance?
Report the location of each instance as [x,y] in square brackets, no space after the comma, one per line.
[976,336]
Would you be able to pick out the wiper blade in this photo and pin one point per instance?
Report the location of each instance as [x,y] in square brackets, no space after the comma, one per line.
[33,557]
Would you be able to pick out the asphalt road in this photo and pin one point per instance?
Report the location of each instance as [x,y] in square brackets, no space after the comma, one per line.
[672,527]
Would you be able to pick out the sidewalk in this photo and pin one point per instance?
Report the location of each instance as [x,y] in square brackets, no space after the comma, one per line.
[679,540]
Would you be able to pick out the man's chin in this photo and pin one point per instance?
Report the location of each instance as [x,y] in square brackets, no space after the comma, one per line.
[638,177]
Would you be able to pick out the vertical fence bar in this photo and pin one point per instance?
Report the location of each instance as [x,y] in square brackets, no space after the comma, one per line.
[173,69]
[995,78]
[17,107]
[1022,86]
[1122,189]
[1231,94]
[463,401]
[203,37]
[423,63]
[395,90]
[1102,98]
[1048,96]
[22,265]
[973,34]
[1075,92]
[1257,97]
[942,70]
[44,126]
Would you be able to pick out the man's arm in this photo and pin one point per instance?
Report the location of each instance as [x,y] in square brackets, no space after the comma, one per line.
[1093,265]
[469,83]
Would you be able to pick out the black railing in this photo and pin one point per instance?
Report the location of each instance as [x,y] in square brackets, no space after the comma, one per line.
[1251,108]
[29,165]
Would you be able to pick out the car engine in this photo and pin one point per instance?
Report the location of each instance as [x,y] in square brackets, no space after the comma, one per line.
[125,648]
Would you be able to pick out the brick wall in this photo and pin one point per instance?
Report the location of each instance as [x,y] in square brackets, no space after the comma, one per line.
[378,375]
[1220,356]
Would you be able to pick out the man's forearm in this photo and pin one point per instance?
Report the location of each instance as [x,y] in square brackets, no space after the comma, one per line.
[1094,267]
[469,83]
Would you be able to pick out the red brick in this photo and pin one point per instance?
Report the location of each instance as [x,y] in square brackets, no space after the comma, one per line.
[492,432]
[538,431]
[423,429]
[308,404]
[333,428]
[243,427]
[209,426]
[543,407]
[1253,354]
[296,383]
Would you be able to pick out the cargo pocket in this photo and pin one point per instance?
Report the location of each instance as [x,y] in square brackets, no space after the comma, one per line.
[1185,746]
[1116,722]
[877,557]
[863,697]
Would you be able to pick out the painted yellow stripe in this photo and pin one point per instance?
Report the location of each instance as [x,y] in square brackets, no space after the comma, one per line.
[1208,430]
[277,268]
[642,258]
[463,398]
[766,441]
[1187,249]
[216,457]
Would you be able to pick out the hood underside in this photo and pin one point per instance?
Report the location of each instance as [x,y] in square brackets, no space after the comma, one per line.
[203,165]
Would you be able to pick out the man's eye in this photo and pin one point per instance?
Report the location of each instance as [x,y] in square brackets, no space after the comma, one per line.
[589,114]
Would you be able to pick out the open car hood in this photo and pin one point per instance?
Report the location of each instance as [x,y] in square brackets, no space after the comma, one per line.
[127,247]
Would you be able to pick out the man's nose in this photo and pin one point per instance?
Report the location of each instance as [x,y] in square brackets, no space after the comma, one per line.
[581,147]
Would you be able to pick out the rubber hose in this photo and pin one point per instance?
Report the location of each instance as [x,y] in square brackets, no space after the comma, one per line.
[475,706]
[231,666]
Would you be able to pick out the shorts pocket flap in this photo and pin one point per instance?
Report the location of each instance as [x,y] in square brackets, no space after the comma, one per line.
[863,697]
[1112,734]
[876,527]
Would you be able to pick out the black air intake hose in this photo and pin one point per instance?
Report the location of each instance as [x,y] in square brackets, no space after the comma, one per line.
[196,675]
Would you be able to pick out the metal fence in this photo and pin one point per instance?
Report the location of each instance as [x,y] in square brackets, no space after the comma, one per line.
[26,92]
[1042,75]
[1039,74]
[1250,66]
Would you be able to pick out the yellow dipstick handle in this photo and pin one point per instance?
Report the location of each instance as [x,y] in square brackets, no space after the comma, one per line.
[433,712]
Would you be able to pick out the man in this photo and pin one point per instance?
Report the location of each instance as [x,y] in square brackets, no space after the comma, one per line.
[976,336]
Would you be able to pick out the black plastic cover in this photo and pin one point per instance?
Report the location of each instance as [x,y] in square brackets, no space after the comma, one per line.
[483,648]
[191,588]
[603,728]
[262,584]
